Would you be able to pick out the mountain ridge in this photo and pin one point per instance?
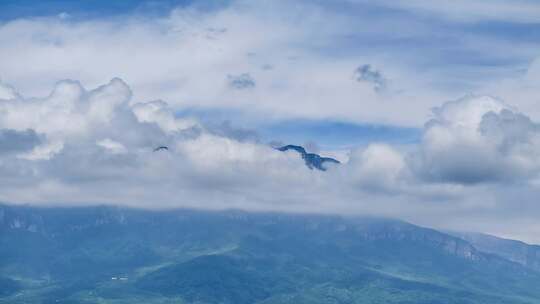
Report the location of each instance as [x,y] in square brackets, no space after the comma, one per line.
[517,251]
[312,160]
[51,254]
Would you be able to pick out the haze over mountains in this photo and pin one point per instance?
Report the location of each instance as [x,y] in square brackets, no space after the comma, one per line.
[118,255]
[436,124]
[106,254]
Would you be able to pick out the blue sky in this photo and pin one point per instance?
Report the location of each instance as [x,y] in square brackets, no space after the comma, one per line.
[13,9]
[333,134]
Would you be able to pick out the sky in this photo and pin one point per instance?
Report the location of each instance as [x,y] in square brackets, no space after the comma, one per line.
[433,108]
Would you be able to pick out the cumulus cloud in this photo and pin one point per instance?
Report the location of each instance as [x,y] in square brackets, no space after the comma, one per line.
[160,113]
[77,145]
[479,139]
[69,110]
[87,146]
[379,167]
[98,138]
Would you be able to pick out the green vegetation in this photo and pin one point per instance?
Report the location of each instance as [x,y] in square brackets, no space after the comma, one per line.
[111,255]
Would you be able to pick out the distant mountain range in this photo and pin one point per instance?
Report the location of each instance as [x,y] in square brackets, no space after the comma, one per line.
[120,255]
[312,160]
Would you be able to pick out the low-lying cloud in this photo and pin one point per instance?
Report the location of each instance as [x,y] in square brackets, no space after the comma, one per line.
[78,146]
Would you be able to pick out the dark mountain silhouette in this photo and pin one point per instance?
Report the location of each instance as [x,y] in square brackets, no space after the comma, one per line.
[312,160]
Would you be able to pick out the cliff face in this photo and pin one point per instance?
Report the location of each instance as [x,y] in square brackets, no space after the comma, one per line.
[515,251]
[57,223]
[449,244]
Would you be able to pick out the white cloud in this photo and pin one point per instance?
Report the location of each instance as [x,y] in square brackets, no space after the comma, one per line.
[478,139]
[474,152]
[44,151]
[473,11]
[112,146]
[533,72]
[69,112]
[96,145]
[186,57]
[378,167]
[160,113]
[313,49]
[7,92]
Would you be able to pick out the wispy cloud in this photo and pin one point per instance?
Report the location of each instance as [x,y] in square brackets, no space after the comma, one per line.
[190,57]
[471,11]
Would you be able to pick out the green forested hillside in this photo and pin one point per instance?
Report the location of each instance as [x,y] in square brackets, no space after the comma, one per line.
[112,255]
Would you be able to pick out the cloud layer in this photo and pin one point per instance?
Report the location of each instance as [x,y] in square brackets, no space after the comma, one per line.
[475,166]
[79,146]
[298,61]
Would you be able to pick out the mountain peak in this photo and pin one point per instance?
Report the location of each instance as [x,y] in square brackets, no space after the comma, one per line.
[312,160]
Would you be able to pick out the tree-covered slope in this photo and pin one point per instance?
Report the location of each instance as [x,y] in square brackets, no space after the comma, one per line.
[114,255]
